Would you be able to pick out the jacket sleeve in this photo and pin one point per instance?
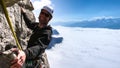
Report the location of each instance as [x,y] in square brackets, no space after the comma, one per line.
[42,43]
[31,25]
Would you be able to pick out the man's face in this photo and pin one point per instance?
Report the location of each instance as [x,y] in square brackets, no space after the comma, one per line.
[44,17]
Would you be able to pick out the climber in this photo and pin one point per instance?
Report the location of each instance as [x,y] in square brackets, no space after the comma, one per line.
[38,42]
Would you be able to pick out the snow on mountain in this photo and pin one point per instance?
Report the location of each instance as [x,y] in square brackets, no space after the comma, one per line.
[112,23]
[86,48]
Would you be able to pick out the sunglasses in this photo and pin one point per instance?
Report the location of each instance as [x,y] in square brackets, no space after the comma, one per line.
[47,15]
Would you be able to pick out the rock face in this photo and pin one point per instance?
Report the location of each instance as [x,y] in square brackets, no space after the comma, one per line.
[21,30]
[10,2]
[14,11]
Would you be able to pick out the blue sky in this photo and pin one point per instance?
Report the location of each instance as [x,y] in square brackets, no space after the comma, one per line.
[76,10]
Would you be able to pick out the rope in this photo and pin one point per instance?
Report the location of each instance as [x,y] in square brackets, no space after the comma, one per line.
[10,25]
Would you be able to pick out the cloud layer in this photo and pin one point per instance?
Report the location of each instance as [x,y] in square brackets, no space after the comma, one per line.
[86,48]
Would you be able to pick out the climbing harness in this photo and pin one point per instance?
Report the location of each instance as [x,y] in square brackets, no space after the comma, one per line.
[10,24]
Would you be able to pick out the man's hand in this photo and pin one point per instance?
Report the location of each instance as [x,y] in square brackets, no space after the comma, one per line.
[23,10]
[19,60]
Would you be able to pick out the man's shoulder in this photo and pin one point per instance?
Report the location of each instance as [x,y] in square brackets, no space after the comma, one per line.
[49,27]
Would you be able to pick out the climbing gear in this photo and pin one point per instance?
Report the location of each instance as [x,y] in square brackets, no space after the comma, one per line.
[6,57]
[10,24]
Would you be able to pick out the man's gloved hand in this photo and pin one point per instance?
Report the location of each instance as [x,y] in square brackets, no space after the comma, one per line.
[19,60]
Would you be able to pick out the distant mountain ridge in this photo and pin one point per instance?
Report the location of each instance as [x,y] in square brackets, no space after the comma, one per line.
[112,23]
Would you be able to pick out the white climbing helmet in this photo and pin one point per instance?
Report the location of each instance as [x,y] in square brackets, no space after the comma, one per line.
[49,9]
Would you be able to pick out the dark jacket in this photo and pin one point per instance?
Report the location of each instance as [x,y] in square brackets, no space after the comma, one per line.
[39,39]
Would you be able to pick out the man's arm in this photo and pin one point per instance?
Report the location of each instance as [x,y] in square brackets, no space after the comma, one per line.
[42,44]
[28,22]
[36,50]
